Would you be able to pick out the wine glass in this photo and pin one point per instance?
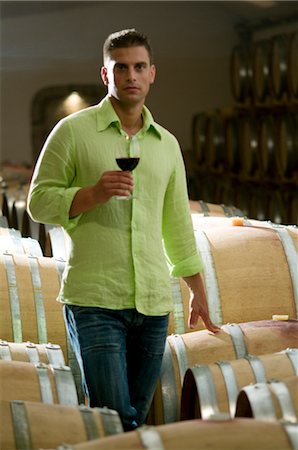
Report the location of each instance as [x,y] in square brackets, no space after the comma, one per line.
[129,161]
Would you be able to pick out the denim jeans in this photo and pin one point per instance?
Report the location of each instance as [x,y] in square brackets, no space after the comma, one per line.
[120,355]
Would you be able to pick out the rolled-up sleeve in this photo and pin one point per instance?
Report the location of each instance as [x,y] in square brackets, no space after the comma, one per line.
[178,235]
[52,188]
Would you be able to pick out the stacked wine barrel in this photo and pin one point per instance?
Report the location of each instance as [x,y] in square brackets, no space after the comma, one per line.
[208,384]
[247,154]
[42,403]
[236,389]
[233,389]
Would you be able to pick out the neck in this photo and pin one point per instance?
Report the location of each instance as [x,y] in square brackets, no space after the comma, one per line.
[130,116]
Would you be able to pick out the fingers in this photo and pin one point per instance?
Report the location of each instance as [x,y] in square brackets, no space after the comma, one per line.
[117,179]
[193,319]
[114,183]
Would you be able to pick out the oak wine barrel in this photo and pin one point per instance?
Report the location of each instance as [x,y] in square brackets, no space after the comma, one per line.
[11,241]
[279,65]
[238,287]
[287,145]
[215,141]
[293,65]
[30,352]
[241,73]
[267,145]
[17,213]
[276,399]
[211,209]
[261,70]
[29,311]
[240,433]
[57,243]
[249,145]
[39,425]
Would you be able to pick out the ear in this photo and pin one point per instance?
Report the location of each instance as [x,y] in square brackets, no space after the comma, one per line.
[104,75]
[152,73]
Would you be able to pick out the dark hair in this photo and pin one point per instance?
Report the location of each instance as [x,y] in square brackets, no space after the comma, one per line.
[124,39]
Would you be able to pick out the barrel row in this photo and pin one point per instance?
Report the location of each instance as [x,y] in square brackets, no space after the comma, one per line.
[13,214]
[25,420]
[234,341]
[248,144]
[219,195]
[265,69]
[187,352]
[39,393]
[30,271]
[211,389]
[56,243]
[30,283]
[39,407]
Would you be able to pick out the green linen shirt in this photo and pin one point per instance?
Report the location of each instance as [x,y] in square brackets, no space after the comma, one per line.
[122,251]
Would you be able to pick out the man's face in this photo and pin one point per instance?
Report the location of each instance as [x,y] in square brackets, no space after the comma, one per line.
[128,74]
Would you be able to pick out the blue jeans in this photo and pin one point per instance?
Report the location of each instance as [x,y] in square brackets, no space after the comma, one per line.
[120,355]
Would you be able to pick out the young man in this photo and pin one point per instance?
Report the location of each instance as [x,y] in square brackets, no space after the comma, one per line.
[116,287]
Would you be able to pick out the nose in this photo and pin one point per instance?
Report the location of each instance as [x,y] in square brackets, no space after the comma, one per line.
[131,74]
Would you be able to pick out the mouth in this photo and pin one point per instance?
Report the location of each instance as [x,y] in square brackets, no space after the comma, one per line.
[131,89]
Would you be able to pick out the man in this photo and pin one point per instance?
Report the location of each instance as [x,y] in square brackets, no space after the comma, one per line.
[116,287]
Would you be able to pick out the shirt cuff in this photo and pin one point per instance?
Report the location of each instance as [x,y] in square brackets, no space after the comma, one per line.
[65,205]
[187,267]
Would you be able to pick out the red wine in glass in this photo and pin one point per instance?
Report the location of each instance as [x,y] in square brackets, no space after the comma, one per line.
[127,164]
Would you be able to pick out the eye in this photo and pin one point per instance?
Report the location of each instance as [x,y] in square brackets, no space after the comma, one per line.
[141,66]
[120,67]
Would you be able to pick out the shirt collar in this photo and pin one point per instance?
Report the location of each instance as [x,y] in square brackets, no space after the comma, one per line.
[106,116]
